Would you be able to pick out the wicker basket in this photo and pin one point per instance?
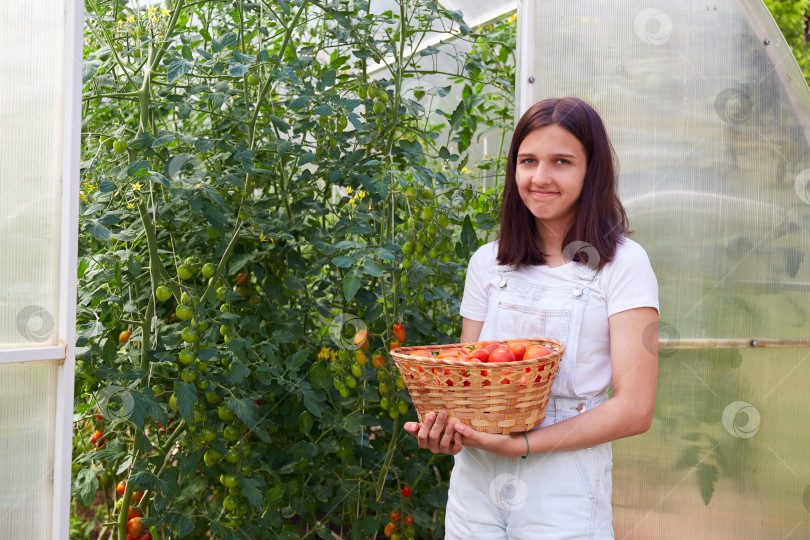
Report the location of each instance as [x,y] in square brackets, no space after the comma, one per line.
[504,397]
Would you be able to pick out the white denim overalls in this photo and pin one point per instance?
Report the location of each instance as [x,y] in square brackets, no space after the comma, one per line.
[560,495]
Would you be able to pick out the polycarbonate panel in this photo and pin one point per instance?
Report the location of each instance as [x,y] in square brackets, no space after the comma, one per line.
[708,113]
[31,131]
[27,421]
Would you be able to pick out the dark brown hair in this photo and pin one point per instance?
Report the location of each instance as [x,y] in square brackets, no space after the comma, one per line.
[600,220]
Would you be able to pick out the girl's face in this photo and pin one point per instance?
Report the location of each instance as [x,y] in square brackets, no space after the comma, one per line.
[551,165]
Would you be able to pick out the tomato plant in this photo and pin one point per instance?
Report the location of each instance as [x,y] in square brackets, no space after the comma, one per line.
[275,175]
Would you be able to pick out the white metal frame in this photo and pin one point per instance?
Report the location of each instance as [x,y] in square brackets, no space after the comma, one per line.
[68,281]
[525,57]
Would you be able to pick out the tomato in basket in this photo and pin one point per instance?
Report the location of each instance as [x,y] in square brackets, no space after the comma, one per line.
[501,354]
[536,351]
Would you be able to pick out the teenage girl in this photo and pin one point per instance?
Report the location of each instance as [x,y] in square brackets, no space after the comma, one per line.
[563,267]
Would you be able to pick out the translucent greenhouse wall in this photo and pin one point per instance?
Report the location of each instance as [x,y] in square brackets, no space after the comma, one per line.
[710,117]
[40,67]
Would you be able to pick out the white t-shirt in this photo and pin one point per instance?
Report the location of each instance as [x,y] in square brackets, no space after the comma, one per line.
[627,282]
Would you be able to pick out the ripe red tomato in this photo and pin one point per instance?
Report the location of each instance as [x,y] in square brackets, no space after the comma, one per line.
[390,528]
[393,345]
[408,520]
[124,336]
[133,512]
[421,352]
[378,361]
[395,516]
[479,354]
[536,351]
[137,496]
[501,354]
[241,278]
[122,485]
[518,348]
[96,439]
[134,527]
[399,332]
[406,492]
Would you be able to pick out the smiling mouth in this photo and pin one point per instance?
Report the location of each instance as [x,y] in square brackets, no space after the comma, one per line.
[543,193]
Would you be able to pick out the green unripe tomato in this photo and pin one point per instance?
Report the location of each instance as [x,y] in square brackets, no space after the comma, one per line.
[200,365]
[230,503]
[221,293]
[419,247]
[228,480]
[362,92]
[120,146]
[393,413]
[433,252]
[384,404]
[212,397]
[189,335]
[224,413]
[230,433]
[187,356]
[108,142]
[232,458]
[407,248]
[401,382]
[211,456]
[163,293]
[427,193]
[184,313]
[357,369]
[402,406]
[383,95]
[432,230]
[173,402]
[202,384]
[344,391]
[372,92]
[185,299]
[383,387]
[406,263]
[427,213]
[189,375]
[209,269]
[411,193]
[443,220]
[157,389]
[351,382]
[253,80]
[209,434]
[379,107]
[185,272]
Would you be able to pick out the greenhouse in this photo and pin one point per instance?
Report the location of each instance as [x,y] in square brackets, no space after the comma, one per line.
[226,224]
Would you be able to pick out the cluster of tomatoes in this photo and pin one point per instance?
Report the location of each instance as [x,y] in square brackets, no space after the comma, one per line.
[398,523]
[391,386]
[486,352]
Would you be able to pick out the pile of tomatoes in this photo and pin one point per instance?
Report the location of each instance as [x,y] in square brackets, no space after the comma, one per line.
[492,352]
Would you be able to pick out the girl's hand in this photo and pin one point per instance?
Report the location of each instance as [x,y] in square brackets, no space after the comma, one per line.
[434,435]
[504,445]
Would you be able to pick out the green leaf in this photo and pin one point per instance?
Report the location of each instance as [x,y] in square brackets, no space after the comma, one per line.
[218,44]
[177,163]
[99,231]
[707,478]
[468,237]
[328,78]
[350,286]
[138,166]
[245,409]
[178,68]
[86,484]
[186,394]
[163,140]
[250,489]
[457,116]
[158,178]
